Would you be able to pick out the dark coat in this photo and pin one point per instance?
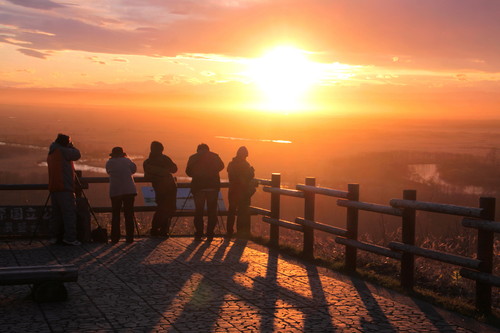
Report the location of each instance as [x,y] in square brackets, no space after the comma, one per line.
[61,168]
[158,169]
[204,167]
[240,174]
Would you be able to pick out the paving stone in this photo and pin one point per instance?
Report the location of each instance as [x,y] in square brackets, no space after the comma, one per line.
[177,285]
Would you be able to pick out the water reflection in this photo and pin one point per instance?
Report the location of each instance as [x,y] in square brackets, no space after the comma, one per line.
[429,174]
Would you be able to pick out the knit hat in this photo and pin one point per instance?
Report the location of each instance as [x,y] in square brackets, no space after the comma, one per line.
[156,147]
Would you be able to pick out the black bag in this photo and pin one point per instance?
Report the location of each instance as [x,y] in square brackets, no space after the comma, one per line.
[99,235]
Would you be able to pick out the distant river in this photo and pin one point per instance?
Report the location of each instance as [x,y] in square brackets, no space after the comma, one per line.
[429,174]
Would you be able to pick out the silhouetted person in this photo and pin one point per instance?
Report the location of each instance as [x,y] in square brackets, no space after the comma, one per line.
[158,169]
[60,159]
[122,192]
[241,189]
[204,167]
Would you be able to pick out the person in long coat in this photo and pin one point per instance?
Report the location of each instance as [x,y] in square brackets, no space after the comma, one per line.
[158,169]
[122,192]
[241,189]
[204,167]
[62,176]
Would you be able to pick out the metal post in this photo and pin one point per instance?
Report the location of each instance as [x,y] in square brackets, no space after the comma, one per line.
[274,232]
[408,237]
[352,228]
[309,200]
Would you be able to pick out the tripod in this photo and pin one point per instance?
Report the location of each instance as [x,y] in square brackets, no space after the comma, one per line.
[220,222]
[40,218]
[77,178]
[172,227]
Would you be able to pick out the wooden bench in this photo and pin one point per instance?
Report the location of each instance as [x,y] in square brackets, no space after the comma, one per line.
[48,281]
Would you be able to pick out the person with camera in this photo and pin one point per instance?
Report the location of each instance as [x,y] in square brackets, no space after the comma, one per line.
[158,168]
[204,167]
[122,192]
[62,175]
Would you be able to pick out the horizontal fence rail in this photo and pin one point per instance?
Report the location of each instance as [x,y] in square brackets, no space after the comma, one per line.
[383,251]
[492,226]
[437,208]
[283,223]
[370,207]
[284,191]
[322,190]
[436,255]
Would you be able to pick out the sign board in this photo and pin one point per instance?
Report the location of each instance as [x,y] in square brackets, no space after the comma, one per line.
[185,199]
[22,220]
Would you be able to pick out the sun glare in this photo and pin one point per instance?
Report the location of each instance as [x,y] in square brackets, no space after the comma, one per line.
[284,75]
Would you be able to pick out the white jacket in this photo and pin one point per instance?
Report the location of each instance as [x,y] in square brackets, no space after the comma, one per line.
[120,171]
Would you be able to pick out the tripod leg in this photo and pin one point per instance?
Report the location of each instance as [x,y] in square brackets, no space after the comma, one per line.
[40,218]
[172,226]
[220,221]
[136,226]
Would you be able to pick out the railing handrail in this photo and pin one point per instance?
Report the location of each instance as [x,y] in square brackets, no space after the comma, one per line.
[89,180]
[437,207]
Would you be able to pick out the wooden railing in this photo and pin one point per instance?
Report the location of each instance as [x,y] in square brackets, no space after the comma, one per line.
[482,218]
[35,218]
[85,181]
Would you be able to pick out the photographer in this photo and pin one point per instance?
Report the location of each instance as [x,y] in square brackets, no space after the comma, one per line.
[60,159]
[158,169]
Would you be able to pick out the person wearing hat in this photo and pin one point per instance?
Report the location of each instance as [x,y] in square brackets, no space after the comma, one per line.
[122,192]
[158,169]
[62,175]
[241,188]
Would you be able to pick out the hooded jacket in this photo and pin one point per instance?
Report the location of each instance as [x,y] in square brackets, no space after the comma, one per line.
[204,167]
[61,168]
[240,174]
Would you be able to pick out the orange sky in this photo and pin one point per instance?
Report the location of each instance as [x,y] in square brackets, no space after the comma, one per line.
[411,58]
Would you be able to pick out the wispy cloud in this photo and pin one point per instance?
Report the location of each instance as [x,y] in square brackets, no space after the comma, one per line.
[34,53]
[433,34]
[37,4]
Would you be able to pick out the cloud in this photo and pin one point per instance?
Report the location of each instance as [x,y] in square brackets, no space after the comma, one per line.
[433,34]
[37,4]
[96,60]
[120,60]
[34,53]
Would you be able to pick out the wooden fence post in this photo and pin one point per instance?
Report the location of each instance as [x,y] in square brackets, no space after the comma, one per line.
[309,200]
[352,228]
[274,232]
[408,237]
[485,241]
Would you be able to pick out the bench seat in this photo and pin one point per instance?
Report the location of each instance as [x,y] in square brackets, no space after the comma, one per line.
[48,281]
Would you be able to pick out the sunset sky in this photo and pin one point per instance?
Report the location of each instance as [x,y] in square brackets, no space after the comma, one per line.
[410,57]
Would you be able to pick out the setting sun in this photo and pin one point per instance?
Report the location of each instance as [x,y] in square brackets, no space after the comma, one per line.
[284,75]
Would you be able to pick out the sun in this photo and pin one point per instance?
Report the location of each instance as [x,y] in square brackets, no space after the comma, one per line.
[284,75]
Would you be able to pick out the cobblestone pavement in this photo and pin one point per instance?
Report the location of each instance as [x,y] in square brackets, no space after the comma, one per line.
[177,285]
